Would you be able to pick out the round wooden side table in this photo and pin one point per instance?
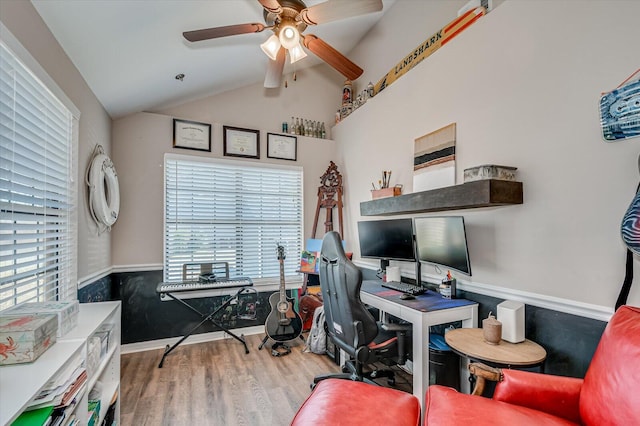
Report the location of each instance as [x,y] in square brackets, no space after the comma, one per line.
[470,343]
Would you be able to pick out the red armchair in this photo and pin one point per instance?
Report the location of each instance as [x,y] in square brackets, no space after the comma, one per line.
[608,394]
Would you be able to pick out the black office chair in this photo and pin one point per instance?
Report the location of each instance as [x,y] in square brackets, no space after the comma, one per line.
[349,324]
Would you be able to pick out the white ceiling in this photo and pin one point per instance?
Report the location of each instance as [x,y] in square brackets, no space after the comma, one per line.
[129,52]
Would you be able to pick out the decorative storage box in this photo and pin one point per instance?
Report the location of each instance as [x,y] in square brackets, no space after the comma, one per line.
[490,171]
[104,333]
[93,353]
[66,312]
[23,338]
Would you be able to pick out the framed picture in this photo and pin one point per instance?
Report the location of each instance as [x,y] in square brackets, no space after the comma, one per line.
[241,142]
[191,135]
[284,147]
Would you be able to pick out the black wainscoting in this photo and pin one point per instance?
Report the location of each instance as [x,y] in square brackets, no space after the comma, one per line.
[569,340]
[145,317]
[101,290]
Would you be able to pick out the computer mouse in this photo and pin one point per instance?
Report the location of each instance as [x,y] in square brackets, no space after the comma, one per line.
[407,296]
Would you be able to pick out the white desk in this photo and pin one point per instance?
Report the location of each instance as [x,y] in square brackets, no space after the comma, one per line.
[423,311]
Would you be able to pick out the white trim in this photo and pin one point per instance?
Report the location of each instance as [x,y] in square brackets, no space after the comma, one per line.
[230,162]
[34,66]
[195,338]
[94,277]
[600,313]
[262,284]
[567,306]
[137,268]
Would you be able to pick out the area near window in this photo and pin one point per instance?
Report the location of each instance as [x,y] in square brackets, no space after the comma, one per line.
[231,211]
[37,192]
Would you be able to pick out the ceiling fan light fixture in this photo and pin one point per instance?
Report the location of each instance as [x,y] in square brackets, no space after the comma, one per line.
[289,36]
[271,47]
[296,53]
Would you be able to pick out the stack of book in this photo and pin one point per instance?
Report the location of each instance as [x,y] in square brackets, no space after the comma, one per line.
[56,402]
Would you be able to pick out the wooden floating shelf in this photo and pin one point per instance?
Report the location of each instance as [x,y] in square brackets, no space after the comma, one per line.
[470,195]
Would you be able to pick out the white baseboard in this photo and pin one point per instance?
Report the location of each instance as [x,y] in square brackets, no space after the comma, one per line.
[196,338]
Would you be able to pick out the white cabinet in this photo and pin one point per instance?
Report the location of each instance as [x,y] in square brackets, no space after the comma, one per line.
[20,383]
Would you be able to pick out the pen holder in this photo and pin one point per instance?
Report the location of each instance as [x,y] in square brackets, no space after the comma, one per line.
[448,288]
[386,192]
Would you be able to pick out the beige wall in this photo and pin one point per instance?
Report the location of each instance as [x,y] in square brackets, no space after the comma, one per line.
[405,26]
[141,140]
[21,18]
[523,85]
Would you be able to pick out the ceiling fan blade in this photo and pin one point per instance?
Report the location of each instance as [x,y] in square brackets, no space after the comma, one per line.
[274,70]
[332,57]
[332,10]
[271,6]
[229,30]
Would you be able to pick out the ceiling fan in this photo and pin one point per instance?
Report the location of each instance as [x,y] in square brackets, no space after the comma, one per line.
[288,19]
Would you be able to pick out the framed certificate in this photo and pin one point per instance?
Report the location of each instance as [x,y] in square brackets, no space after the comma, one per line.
[284,147]
[191,135]
[241,142]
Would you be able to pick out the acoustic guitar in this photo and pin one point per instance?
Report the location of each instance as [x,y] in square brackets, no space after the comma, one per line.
[283,322]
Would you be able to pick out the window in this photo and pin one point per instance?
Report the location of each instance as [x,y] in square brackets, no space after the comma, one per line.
[231,211]
[37,194]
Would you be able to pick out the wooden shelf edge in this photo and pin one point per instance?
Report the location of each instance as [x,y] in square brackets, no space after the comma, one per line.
[470,195]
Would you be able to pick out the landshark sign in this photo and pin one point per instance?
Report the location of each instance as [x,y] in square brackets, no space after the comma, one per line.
[433,43]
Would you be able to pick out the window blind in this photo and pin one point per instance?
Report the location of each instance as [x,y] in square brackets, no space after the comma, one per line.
[37,195]
[231,211]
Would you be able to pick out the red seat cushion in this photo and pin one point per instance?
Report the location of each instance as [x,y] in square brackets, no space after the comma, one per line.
[446,406]
[344,402]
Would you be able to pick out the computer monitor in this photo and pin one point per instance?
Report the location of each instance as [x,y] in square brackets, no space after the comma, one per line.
[442,241]
[387,240]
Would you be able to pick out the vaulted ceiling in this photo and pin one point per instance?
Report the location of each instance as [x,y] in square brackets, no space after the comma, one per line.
[130,52]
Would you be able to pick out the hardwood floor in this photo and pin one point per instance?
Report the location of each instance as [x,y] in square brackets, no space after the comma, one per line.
[216,383]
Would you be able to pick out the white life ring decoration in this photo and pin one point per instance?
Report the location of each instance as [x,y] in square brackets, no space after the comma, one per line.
[104,191]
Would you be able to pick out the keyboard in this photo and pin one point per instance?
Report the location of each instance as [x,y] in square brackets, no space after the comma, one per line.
[197,285]
[404,287]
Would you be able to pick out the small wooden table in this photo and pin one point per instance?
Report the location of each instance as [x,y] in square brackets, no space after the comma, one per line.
[470,343]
